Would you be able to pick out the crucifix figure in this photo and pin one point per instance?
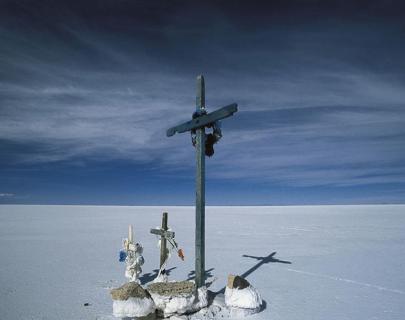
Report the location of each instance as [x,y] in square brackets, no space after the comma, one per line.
[204,146]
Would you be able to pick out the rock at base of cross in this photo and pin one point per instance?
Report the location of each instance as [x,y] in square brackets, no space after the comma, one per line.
[171,288]
[130,289]
[177,298]
[237,282]
[240,294]
[131,300]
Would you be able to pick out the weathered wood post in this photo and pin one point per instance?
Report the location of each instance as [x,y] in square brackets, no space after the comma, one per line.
[200,120]
[200,189]
[165,235]
[163,243]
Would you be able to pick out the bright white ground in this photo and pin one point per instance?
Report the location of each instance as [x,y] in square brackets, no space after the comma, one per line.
[347,262]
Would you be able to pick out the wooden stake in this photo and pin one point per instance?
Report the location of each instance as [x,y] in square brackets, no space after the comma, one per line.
[163,243]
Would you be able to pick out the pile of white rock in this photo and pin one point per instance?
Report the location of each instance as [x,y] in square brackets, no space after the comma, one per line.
[181,300]
[164,298]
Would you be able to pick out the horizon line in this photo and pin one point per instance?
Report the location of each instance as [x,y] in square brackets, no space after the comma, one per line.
[253,205]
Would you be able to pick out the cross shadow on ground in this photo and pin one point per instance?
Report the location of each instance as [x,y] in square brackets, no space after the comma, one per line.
[262,260]
[208,274]
[148,277]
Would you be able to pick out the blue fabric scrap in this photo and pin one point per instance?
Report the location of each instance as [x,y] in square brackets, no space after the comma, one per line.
[123,255]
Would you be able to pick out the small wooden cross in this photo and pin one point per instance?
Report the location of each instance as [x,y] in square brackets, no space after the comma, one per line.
[165,235]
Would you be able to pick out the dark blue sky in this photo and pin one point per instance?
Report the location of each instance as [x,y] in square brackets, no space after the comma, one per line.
[87,90]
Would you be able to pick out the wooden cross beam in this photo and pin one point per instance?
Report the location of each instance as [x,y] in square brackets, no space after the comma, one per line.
[162,233]
[164,236]
[204,120]
[201,120]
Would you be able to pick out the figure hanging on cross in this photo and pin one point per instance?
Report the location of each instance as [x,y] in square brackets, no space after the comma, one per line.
[204,146]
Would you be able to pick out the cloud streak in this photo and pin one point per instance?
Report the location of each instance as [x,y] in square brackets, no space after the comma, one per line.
[321,102]
[6,195]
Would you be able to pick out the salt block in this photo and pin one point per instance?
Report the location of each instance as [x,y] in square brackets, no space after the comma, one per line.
[131,300]
[177,298]
[130,289]
[172,288]
[133,307]
[239,293]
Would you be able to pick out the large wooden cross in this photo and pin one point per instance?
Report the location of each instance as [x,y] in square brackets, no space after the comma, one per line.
[201,120]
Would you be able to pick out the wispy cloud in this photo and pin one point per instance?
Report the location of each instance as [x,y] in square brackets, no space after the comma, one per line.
[6,195]
[315,108]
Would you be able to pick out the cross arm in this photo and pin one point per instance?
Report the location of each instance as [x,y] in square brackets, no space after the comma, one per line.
[204,120]
[163,233]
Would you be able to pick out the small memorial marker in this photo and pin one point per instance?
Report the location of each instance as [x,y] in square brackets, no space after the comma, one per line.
[164,236]
[131,254]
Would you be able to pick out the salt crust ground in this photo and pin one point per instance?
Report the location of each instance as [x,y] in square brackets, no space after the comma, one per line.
[347,262]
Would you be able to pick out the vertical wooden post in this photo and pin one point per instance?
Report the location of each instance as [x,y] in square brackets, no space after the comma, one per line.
[200,97]
[163,244]
[200,190]
[200,120]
